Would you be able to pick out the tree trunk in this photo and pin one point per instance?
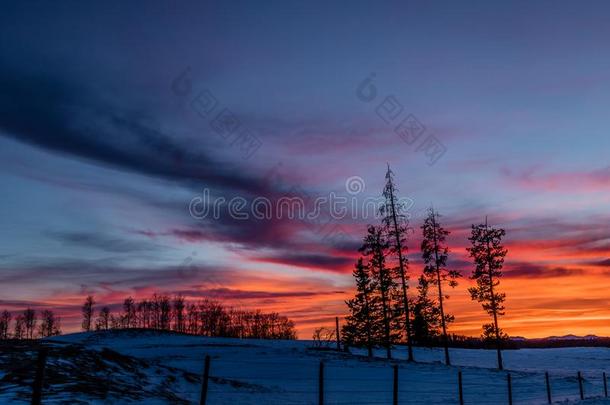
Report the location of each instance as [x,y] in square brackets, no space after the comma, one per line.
[493,299]
[402,276]
[440,293]
[386,324]
[369,343]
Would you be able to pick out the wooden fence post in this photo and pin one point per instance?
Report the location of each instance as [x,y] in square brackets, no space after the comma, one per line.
[395,394]
[548,388]
[337,333]
[39,378]
[510,389]
[582,393]
[605,385]
[460,390]
[321,384]
[204,383]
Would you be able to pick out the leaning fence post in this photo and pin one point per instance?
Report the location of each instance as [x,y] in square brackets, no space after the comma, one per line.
[321,384]
[39,379]
[395,394]
[582,394]
[548,387]
[460,390]
[605,385]
[510,389]
[204,383]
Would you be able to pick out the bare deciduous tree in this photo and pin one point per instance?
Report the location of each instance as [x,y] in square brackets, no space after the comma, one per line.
[5,320]
[49,325]
[87,311]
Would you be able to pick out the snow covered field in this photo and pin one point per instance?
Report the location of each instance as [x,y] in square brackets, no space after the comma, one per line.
[168,368]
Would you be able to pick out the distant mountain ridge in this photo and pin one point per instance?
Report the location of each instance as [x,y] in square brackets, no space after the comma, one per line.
[573,337]
[564,337]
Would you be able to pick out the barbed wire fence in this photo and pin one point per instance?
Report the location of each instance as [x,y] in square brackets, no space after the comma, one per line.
[312,380]
[327,383]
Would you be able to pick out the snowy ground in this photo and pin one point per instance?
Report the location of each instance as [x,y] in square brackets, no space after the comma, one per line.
[166,368]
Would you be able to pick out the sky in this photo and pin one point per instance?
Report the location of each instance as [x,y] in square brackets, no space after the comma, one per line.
[116,120]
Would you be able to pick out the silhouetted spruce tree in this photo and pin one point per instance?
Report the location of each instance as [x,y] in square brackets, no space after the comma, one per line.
[488,254]
[87,311]
[397,318]
[363,326]
[489,333]
[5,320]
[375,248]
[396,225]
[426,314]
[435,252]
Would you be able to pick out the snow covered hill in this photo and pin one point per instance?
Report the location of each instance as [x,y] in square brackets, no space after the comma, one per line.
[126,367]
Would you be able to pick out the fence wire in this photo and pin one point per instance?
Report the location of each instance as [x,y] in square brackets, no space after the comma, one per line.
[269,382]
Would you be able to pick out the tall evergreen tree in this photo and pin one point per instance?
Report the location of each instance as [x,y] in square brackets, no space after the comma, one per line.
[489,333]
[87,311]
[488,254]
[375,248]
[426,314]
[396,226]
[435,253]
[363,326]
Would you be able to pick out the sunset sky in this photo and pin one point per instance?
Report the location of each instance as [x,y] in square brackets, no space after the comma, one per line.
[105,141]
